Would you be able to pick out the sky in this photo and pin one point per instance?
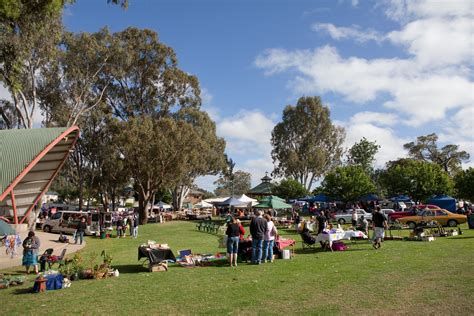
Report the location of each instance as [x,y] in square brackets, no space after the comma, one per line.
[388,70]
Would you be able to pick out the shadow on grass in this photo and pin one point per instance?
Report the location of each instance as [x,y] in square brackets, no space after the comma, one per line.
[457,238]
[24,290]
[130,268]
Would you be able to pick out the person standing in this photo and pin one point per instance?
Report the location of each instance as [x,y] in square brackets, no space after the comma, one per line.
[135,225]
[354,218]
[379,223]
[322,222]
[119,226]
[30,252]
[233,237]
[258,228]
[269,239]
[81,228]
[241,230]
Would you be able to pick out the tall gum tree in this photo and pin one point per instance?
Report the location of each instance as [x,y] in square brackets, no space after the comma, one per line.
[30,32]
[205,157]
[306,145]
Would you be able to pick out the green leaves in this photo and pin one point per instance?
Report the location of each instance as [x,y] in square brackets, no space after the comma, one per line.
[306,144]
[464,184]
[347,183]
[417,179]
[426,149]
[363,154]
[290,188]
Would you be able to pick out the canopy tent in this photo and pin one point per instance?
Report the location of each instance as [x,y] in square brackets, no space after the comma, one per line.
[30,159]
[216,200]
[232,201]
[316,198]
[444,201]
[203,204]
[247,199]
[273,202]
[369,197]
[400,198]
[163,205]
[272,197]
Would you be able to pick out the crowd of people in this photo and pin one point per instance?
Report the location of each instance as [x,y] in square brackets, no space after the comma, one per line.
[263,232]
[124,221]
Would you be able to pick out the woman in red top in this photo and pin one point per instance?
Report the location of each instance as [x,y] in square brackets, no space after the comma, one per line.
[241,230]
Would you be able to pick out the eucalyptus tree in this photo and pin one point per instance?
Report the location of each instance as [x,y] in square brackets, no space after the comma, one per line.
[205,157]
[30,32]
[306,144]
[363,154]
[449,157]
[154,151]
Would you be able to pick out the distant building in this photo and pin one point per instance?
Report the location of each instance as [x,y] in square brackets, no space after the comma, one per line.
[49,197]
[194,197]
[265,188]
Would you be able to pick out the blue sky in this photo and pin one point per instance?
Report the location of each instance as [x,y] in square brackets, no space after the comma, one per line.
[388,70]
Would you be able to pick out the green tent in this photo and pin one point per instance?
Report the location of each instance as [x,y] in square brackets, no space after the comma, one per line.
[273,202]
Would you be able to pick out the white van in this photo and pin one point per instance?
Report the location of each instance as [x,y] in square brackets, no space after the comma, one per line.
[66,222]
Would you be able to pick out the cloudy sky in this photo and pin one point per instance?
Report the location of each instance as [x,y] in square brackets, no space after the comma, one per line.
[389,70]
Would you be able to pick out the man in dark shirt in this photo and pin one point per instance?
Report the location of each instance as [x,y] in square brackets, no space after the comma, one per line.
[379,223]
[322,221]
[258,228]
[81,228]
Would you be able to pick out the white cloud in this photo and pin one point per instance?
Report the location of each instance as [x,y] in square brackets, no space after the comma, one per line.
[206,96]
[253,127]
[437,41]
[391,146]
[248,135]
[354,3]
[403,10]
[419,93]
[354,32]
[375,118]
[206,182]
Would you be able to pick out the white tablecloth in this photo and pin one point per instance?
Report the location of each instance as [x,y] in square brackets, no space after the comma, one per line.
[331,237]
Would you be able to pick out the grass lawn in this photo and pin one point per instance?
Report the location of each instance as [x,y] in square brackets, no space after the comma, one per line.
[403,277]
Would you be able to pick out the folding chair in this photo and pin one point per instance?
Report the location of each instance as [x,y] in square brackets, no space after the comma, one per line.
[307,240]
[59,260]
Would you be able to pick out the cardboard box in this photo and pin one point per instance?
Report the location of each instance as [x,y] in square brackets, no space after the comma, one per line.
[161,267]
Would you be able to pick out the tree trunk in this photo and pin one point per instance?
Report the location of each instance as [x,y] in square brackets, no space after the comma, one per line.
[179,193]
[143,200]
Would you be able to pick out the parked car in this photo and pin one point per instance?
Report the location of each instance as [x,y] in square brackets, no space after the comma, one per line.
[442,216]
[66,222]
[386,212]
[415,210]
[346,216]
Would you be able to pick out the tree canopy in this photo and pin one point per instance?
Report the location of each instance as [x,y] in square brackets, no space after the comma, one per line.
[347,183]
[363,154]
[289,188]
[239,184]
[417,179]
[306,145]
[449,157]
[464,184]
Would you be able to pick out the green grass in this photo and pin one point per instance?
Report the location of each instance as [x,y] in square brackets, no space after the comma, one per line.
[403,277]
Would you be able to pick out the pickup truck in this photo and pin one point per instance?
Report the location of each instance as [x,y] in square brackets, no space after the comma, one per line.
[346,217]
